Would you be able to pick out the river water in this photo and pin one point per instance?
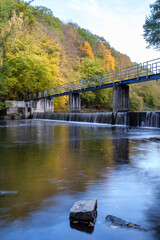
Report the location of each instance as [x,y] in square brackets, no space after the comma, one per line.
[51,165]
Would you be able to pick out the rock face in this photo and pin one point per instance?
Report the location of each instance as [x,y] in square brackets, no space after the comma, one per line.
[122,223]
[83,211]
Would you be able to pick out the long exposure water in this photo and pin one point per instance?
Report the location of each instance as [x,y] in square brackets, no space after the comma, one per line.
[51,165]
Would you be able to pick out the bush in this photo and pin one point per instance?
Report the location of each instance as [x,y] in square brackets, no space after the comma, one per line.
[135,102]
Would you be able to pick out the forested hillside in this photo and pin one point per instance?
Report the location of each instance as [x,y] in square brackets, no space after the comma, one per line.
[39,52]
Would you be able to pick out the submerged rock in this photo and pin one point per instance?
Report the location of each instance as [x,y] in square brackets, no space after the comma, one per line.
[152,139]
[4,193]
[122,223]
[155,139]
[84,211]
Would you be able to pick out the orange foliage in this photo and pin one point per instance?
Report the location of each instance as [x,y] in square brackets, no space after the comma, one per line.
[86,50]
[108,58]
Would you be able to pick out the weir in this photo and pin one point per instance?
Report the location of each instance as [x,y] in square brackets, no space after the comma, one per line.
[135,119]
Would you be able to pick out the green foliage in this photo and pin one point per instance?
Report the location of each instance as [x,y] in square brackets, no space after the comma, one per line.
[86,35]
[150,94]
[88,99]
[101,99]
[152,26]
[90,68]
[6,7]
[46,16]
[3,91]
[135,102]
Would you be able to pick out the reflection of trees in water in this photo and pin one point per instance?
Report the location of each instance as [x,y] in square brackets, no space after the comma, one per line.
[41,160]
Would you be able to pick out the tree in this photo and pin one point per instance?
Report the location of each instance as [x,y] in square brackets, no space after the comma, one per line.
[87,50]
[3,89]
[30,59]
[135,102]
[108,59]
[152,26]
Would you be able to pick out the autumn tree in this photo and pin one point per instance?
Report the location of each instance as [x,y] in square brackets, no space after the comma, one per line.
[108,59]
[86,50]
[31,59]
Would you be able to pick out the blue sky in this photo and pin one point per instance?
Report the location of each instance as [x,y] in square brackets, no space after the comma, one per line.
[118,21]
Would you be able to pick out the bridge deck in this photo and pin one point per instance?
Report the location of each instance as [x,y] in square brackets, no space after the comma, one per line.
[137,73]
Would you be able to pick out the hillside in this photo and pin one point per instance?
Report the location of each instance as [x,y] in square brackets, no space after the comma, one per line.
[39,52]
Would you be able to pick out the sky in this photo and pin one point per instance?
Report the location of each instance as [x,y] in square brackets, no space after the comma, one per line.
[120,22]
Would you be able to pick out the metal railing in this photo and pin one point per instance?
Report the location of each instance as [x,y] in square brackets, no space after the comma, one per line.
[136,71]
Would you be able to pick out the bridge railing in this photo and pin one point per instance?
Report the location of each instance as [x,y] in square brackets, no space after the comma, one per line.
[132,72]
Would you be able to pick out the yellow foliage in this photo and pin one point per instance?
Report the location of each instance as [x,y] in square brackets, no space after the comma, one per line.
[61,104]
[32,57]
[109,60]
[86,50]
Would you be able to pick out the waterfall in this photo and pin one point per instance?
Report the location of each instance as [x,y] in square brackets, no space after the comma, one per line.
[106,118]
[34,115]
[121,118]
[149,119]
[140,119]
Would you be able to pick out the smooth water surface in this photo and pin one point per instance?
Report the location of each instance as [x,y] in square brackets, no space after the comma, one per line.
[51,165]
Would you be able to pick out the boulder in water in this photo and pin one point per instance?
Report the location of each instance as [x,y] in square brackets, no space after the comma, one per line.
[84,211]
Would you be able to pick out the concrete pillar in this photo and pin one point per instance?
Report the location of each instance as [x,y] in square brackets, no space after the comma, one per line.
[48,105]
[74,102]
[120,98]
[38,106]
[43,105]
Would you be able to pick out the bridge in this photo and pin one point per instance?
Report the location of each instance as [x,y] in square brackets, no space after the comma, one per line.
[119,80]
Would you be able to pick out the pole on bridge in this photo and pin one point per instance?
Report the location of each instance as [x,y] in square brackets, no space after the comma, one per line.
[120,98]
[74,102]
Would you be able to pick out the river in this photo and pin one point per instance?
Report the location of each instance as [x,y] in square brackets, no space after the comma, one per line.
[53,164]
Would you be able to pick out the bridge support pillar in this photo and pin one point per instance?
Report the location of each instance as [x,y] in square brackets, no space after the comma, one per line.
[48,105]
[74,102]
[120,98]
[43,105]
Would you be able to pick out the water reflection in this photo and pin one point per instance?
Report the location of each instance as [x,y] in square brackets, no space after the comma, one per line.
[51,165]
[40,161]
[74,137]
[121,151]
[82,227]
